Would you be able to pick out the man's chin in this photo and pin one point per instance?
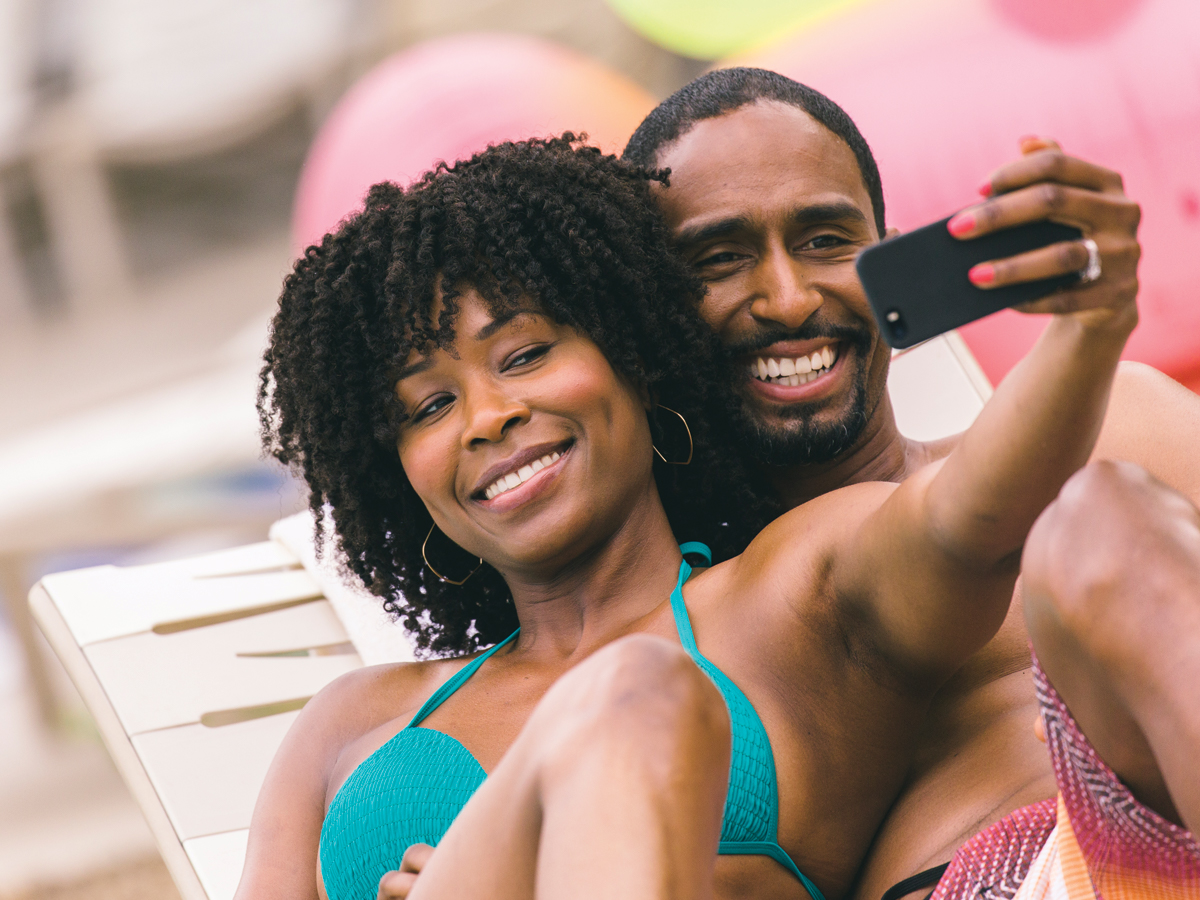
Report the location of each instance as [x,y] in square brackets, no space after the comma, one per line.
[800,439]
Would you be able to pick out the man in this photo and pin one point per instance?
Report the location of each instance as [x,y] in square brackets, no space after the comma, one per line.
[773,193]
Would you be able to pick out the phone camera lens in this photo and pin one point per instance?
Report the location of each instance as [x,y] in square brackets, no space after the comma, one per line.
[896,324]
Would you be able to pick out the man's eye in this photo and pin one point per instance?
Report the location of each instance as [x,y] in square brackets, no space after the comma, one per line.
[825,242]
[526,356]
[432,407]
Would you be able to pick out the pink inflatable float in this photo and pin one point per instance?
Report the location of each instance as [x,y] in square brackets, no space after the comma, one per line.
[942,89]
[446,99]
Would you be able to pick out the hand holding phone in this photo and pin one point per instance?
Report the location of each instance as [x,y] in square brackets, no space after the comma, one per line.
[918,287]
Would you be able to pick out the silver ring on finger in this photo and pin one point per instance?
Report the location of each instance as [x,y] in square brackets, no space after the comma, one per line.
[1091,271]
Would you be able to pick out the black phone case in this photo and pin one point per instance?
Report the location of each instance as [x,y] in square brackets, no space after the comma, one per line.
[917,283]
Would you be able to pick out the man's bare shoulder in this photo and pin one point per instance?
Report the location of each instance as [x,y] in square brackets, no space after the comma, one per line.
[1155,422]
[821,522]
[800,547]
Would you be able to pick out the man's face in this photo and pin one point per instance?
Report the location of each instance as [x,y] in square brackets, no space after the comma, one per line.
[770,209]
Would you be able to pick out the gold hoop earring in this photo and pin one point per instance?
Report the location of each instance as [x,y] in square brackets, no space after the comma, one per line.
[691,444]
[440,577]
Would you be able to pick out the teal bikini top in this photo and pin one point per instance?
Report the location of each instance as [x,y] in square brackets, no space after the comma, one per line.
[411,788]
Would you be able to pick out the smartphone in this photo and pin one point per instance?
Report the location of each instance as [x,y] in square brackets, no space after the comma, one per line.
[917,283]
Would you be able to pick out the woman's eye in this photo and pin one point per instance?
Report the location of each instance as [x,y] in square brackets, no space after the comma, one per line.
[433,406]
[718,259]
[526,356]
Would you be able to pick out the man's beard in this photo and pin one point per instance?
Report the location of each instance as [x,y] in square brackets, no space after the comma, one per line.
[802,439]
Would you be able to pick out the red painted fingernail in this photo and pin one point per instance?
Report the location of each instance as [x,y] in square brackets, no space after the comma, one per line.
[984,273]
[961,224]
[1025,138]
[985,189]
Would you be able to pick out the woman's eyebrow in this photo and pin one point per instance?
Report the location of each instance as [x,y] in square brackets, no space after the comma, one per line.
[413,368]
[500,321]
[483,334]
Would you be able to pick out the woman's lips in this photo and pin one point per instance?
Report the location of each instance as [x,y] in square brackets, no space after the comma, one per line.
[516,487]
[506,483]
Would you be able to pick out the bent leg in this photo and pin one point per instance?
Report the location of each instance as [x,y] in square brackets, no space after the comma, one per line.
[1111,581]
[614,788]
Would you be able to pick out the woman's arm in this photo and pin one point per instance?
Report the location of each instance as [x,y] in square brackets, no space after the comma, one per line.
[281,858]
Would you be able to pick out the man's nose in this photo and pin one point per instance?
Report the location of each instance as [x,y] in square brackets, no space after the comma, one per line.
[490,413]
[782,292]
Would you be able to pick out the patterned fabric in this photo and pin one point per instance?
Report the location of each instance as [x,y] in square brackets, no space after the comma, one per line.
[1094,842]
[992,864]
[1109,845]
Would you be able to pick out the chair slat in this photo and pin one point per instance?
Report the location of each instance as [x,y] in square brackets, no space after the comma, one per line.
[159,681]
[109,602]
[218,860]
[209,778]
[934,391]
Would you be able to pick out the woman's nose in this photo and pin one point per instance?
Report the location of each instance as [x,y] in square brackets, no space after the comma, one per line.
[489,415]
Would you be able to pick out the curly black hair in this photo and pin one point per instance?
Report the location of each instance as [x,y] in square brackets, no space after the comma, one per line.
[553,222]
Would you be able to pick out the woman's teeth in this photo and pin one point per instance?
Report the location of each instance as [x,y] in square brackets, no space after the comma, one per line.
[514,479]
[794,372]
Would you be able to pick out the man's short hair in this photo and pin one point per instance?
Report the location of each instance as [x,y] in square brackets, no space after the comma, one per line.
[725,90]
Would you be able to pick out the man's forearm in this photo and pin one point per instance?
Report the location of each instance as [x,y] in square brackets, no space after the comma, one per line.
[1039,427]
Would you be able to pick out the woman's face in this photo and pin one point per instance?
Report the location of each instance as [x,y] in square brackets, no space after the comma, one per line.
[524,444]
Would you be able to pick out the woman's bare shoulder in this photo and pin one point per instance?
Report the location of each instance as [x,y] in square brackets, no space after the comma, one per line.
[366,698]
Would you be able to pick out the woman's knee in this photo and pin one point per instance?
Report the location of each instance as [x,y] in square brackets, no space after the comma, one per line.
[639,693]
[1115,544]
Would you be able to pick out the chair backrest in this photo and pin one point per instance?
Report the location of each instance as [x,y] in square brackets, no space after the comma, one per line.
[937,388]
[195,669]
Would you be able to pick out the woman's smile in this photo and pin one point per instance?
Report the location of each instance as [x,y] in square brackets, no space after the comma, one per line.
[522,476]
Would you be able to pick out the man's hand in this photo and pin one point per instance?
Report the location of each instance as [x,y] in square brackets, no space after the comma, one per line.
[1043,184]
[396,885]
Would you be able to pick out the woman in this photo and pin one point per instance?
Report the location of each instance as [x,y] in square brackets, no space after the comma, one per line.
[475,375]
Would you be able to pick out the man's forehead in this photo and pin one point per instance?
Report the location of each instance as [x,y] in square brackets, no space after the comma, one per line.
[760,156]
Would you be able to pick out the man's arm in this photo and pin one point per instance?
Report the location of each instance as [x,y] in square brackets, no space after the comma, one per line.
[929,576]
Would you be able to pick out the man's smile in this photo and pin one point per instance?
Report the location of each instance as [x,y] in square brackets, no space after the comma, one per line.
[792,372]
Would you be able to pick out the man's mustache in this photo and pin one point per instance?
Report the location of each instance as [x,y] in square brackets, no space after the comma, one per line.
[860,338]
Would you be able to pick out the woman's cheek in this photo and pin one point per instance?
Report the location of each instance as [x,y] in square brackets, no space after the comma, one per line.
[425,461]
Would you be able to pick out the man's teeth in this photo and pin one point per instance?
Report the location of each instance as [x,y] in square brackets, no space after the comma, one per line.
[794,372]
[506,483]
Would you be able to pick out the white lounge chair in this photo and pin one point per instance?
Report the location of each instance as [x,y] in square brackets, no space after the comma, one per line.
[195,669]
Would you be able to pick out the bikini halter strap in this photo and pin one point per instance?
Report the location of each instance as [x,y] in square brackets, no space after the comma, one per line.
[456,680]
[685,632]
